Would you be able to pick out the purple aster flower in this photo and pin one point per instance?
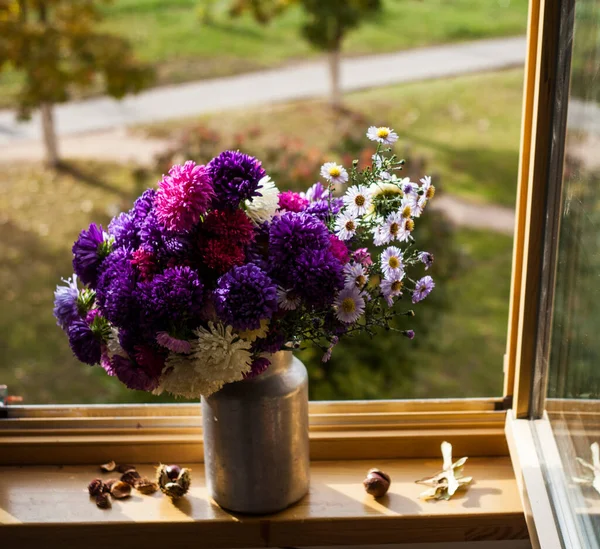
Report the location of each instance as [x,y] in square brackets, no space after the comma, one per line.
[143,205]
[426,258]
[332,344]
[363,257]
[105,362]
[271,344]
[316,192]
[124,228]
[244,296]
[235,177]
[257,250]
[91,315]
[65,303]
[131,338]
[133,375]
[183,197]
[293,233]
[259,365]
[88,254]
[410,334]
[173,344]
[315,275]
[163,243]
[115,293]
[171,299]
[323,209]
[423,289]
[84,344]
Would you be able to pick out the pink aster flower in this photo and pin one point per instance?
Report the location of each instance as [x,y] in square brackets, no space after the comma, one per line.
[339,249]
[183,196]
[292,202]
[173,344]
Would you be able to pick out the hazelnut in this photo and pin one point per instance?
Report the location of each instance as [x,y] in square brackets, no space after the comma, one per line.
[103,501]
[108,467]
[131,477]
[377,483]
[120,490]
[96,487]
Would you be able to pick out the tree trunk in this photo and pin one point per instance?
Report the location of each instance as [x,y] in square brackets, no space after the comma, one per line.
[335,97]
[49,134]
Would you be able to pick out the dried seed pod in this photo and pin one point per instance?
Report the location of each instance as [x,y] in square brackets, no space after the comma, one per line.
[131,477]
[108,467]
[377,483]
[120,490]
[103,501]
[173,487]
[146,486]
[123,468]
[96,487]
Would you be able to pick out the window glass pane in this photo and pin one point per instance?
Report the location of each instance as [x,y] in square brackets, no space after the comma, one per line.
[574,377]
[447,76]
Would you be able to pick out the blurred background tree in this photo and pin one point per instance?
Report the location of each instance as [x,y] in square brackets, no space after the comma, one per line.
[326,25]
[56,45]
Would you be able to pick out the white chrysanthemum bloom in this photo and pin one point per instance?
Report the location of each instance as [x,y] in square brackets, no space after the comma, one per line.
[355,275]
[263,208]
[382,134]
[391,288]
[349,305]
[392,262]
[262,331]
[287,300]
[113,346]
[334,173]
[218,357]
[345,225]
[357,200]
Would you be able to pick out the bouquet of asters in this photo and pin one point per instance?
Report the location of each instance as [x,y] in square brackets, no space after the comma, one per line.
[216,269]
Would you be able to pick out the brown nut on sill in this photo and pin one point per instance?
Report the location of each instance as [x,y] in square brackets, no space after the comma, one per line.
[108,467]
[131,477]
[120,490]
[377,483]
[174,481]
[103,501]
[96,487]
[146,486]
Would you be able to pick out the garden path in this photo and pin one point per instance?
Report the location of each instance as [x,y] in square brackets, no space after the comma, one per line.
[298,81]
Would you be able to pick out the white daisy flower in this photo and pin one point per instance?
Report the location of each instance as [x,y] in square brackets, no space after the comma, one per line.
[382,134]
[357,200]
[392,262]
[427,188]
[349,305]
[218,357]
[346,225]
[355,275]
[380,235]
[390,288]
[287,300]
[393,226]
[405,230]
[334,173]
[263,208]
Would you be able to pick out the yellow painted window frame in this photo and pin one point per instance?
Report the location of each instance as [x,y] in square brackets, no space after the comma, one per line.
[341,429]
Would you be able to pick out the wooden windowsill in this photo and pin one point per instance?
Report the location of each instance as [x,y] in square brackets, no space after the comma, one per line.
[49,506]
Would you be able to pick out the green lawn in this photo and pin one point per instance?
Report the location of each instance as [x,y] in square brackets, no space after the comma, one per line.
[466,128]
[170,35]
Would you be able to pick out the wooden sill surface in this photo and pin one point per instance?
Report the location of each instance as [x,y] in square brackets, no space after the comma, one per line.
[49,505]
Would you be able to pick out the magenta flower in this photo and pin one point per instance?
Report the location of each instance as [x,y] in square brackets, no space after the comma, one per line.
[173,344]
[183,196]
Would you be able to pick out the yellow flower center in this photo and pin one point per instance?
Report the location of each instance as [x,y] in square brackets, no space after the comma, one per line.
[430,192]
[396,286]
[361,280]
[409,225]
[383,132]
[350,225]
[394,228]
[406,211]
[348,305]
[394,262]
[335,171]
[359,200]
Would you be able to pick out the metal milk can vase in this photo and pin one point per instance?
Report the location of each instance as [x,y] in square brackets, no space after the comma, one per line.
[256,450]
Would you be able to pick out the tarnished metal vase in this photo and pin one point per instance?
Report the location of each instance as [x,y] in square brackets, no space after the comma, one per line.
[256,439]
